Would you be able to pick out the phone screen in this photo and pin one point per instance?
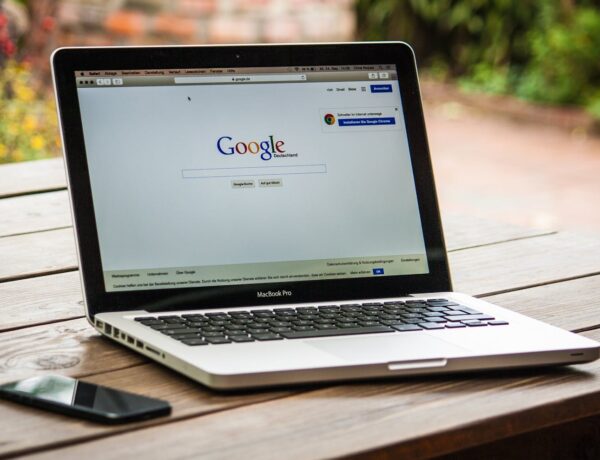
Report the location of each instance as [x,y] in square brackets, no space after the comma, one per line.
[88,400]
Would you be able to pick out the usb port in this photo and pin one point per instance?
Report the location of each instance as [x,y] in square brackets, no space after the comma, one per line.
[108,329]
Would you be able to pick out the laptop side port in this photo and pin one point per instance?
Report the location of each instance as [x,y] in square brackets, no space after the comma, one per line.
[130,340]
[116,333]
[139,344]
[152,350]
[108,329]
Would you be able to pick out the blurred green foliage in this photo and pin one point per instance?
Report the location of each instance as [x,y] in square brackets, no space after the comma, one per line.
[541,50]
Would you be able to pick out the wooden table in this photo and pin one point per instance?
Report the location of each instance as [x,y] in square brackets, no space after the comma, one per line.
[554,277]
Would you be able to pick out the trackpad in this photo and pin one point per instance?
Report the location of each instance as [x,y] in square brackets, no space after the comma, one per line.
[394,347]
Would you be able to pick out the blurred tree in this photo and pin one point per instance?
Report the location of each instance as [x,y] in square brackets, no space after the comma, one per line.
[541,50]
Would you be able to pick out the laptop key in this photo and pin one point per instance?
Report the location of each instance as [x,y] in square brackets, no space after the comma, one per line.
[240,338]
[324,326]
[497,323]
[194,342]
[393,322]
[160,327]
[213,334]
[335,332]
[467,309]
[144,318]
[176,331]
[452,325]
[258,331]
[407,327]
[217,340]
[372,323]
[280,324]
[187,336]
[268,336]
[431,325]
[434,319]
[151,322]
[479,317]
[474,323]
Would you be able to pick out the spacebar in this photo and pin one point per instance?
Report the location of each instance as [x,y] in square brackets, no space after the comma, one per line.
[332,332]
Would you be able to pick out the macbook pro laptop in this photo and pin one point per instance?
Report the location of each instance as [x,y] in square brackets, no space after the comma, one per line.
[262,215]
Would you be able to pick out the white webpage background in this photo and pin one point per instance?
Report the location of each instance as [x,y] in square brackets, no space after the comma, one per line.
[138,140]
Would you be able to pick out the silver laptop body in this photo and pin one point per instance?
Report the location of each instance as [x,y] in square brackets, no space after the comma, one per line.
[264,215]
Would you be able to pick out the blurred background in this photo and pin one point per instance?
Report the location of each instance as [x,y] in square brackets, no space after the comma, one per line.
[511,87]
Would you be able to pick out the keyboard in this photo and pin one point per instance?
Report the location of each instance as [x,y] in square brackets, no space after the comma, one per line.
[216,328]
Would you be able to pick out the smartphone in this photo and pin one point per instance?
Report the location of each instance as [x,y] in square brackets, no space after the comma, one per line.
[83,399]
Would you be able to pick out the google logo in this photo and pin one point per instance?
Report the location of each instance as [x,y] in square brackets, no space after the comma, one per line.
[329,119]
[227,146]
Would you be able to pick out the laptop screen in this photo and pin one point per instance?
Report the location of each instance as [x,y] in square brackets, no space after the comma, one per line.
[216,177]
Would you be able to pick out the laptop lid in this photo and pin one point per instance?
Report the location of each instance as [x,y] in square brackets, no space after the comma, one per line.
[218,176]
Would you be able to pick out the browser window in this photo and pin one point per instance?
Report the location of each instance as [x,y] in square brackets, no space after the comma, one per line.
[212,177]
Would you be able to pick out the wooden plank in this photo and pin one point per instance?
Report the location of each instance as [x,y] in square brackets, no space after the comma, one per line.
[40,300]
[572,440]
[417,418]
[69,347]
[34,213]
[571,305]
[462,231]
[32,177]
[186,397]
[528,262]
[35,254]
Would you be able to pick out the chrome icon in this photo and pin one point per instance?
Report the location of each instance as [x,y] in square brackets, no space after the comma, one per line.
[329,119]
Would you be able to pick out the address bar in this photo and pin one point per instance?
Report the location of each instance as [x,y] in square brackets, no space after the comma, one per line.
[239,78]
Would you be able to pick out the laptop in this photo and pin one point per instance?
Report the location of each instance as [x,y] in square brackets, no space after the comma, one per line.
[263,215]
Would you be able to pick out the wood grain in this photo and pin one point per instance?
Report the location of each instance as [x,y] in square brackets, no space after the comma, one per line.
[36,254]
[187,398]
[32,177]
[40,300]
[34,213]
[414,419]
[517,264]
[70,347]
[462,231]
[571,305]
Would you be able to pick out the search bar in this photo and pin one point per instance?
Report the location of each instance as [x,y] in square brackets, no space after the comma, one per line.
[253,171]
[239,79]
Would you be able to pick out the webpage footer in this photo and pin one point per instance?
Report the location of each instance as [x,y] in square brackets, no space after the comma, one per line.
[266,272]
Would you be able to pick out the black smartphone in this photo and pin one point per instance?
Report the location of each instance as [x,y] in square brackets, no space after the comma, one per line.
[83,399]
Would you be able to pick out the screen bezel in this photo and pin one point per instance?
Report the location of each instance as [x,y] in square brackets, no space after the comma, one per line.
[66,61]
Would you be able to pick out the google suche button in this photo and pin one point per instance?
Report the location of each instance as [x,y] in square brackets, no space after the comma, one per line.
[381,88]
